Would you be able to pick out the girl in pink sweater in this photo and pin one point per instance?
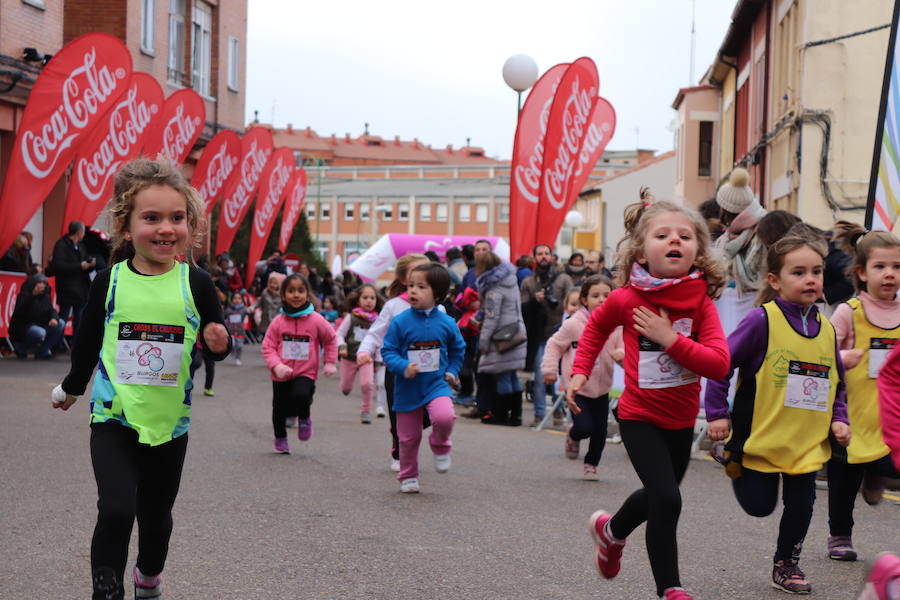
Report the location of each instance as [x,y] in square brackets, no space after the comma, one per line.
[590,407]
[291,350]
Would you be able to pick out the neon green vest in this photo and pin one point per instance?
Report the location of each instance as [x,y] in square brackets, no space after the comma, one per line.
[143,379]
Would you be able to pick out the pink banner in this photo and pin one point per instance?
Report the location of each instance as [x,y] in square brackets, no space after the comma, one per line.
[296,198]
[217,167]
[272,190]
[179,126]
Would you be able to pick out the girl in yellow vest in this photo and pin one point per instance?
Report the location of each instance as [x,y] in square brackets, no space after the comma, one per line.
[143,316]
[867,327]
[790,396]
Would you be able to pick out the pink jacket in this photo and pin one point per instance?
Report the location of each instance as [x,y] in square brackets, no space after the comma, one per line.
[312,330]
[562,345]
[889,400]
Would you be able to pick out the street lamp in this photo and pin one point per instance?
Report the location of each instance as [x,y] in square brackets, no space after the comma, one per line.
[574,220]
[520,72]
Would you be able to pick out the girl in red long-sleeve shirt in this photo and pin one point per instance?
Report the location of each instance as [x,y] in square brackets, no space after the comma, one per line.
[672,338]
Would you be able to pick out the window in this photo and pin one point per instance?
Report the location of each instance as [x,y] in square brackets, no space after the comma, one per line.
[504,213]
[321,248]
[704,162]
[201,48]
[481,213]
[233,50]
[148,17]
[349,209]
[403,212]
[465,213]
[424,212]
[310,211]
[175,71]
[442,212]
[325,211]
[363,212]
[386,212]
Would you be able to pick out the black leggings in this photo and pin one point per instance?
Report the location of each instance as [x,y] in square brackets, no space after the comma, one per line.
[660,458]
[591,422]
[133,480]
[843,484]
[757,493]
[209,366]
[291,398]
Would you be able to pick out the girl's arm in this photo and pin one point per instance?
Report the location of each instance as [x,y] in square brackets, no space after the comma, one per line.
[207,301]
[375,335]
[708,356]
[747,347]
[456,349]
[393,351]
[599,326]
[839,411]
[271,346]
[342,331]
[842,321]
[558,344]
[889,401]
[329,340]
[89,339]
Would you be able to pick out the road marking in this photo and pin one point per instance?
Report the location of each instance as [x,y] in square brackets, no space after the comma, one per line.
[553,431]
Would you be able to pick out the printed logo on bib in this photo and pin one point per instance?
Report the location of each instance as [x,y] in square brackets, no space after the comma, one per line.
[425,354]
[878,351]
[294,347]
[808,386]
[656,369]
[149,353]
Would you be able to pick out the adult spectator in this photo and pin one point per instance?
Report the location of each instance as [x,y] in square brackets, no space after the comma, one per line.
[18,257]
[499,391]
[98,246]
[711,213]
[35,325]
[524,267]
[596,264]
[433,257]
[71,266]
[543,295]
[456,265]
[231,273]
[481,247]
[311,276]
[576,269]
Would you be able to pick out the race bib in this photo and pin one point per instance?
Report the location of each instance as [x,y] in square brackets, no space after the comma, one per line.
[149,353]
[294,347]
[235,318]
[425,354]
[359,333]
[656,369]
[807,386]
[879,348]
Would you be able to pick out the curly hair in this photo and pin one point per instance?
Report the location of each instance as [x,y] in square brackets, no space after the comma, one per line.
[637,221]
[352,300]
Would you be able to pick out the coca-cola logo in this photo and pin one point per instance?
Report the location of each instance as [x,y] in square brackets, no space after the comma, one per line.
[592,140]
[218,171]
[278,179]
[251,168]
[178,133]
[528,176]
[128,120]
[573,119]
[83,93]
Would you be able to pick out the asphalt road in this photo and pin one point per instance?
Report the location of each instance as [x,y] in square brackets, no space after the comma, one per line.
[508,521]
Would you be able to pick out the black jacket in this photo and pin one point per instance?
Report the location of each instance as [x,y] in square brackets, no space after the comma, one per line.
[30,309]
[72,282]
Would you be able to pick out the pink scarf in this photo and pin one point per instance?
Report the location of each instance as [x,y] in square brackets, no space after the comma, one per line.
[644,281]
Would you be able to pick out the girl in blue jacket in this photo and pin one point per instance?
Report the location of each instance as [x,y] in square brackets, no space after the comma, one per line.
[424,350]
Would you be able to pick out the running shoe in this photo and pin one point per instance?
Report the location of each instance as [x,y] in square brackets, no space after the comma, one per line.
[884,579]
[841,548]
[208,392]
[395,465]
[608,556]
[281,446]
[787,577]
[409,486]
[147,591]
[573,447]
[590,473]
[442,462]
[676,593]
[304,429]
[365,418]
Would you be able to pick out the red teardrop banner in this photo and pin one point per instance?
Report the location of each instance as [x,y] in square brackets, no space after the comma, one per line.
[115,141]
[256,147]
[272,191]
[179,126]
[72,94]
[217,167]
[296,197]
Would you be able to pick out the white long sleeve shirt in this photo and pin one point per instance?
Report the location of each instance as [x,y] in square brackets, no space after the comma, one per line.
[374,339]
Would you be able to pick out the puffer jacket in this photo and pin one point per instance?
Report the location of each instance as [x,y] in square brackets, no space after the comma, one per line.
[502,305]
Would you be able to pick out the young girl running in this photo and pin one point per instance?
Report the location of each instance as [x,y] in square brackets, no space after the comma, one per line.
[424,351]
[789,397]
[329,310]
[141,400]
[235,314]
[291,351]
[371,345]
[672,338]
[364,304]
[867,327]
[590,409]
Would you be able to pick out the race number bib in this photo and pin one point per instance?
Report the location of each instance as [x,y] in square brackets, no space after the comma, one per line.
[294,347]
[425,354]
[235,318]
[808,386]
[656,369]
[359,333]
[879,348]
[149,353]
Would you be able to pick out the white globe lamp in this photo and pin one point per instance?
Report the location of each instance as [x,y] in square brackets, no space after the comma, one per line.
[520,72]
[574,219]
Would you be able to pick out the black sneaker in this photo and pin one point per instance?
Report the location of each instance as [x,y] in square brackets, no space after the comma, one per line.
[105,585]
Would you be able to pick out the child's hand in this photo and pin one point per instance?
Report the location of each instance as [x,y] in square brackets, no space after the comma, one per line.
[60,399]
[330,369]
[617,354]
[575,385]
[282,371]
[655,327]
[363,358]
[452,380]
[342,352]
[573,406]
[852,357]
[412,369]
[549,379]
[841,433]
[718,429]
[215,337]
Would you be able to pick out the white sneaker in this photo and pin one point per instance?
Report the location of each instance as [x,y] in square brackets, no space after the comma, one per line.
[442,462]
[409,486]
[237,362]
[379,412]
[395,465]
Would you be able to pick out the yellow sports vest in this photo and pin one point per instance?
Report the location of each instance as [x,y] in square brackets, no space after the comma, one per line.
[867,443]
[795,389]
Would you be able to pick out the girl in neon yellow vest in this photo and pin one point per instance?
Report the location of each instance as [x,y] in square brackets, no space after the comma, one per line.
[867,327]
[790,397]
[143,317]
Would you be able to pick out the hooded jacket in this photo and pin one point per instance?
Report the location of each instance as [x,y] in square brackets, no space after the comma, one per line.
[562,346]
[312,326]
[30,309]
[502,306]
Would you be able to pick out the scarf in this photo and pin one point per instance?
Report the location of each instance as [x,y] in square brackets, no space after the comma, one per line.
[743,252]
[644,281]
[365,314]
[300,312]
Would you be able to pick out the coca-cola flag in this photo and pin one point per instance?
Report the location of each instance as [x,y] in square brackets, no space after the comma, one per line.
[116,140]
[527,160]
[296,197]
[70,97]
[566,128]
[273,187]
[256,147]
[178,127]
[217,167]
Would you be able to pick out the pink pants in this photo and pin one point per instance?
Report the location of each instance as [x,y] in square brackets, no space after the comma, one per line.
[409,430]
[349,369]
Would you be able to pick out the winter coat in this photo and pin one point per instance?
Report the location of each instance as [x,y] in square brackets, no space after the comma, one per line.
[502,306]
[311,328]
[72,282]
[269,304]
[30,309]
[544,317]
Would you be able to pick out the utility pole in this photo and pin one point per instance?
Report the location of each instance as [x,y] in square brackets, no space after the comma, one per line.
[693,39]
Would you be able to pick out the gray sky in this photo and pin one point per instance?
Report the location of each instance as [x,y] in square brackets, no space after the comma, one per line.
[432,70]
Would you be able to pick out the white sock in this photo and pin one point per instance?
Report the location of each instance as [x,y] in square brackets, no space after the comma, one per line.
[145,580]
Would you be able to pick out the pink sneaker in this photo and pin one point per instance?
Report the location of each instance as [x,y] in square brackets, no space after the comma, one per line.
[572,447]
[281,446]
[676,594]
[884,579]
[608,556]
[304,429]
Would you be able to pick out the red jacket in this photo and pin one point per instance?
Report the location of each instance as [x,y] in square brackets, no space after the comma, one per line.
[889,401]
[705,352]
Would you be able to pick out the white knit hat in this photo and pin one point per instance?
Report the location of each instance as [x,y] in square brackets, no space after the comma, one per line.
[735,195]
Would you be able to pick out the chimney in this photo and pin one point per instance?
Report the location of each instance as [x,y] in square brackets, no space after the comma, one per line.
[333,140]
[450,148]
[415,143]
[397,140]
[347,137]
[290,128]
[309,131]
